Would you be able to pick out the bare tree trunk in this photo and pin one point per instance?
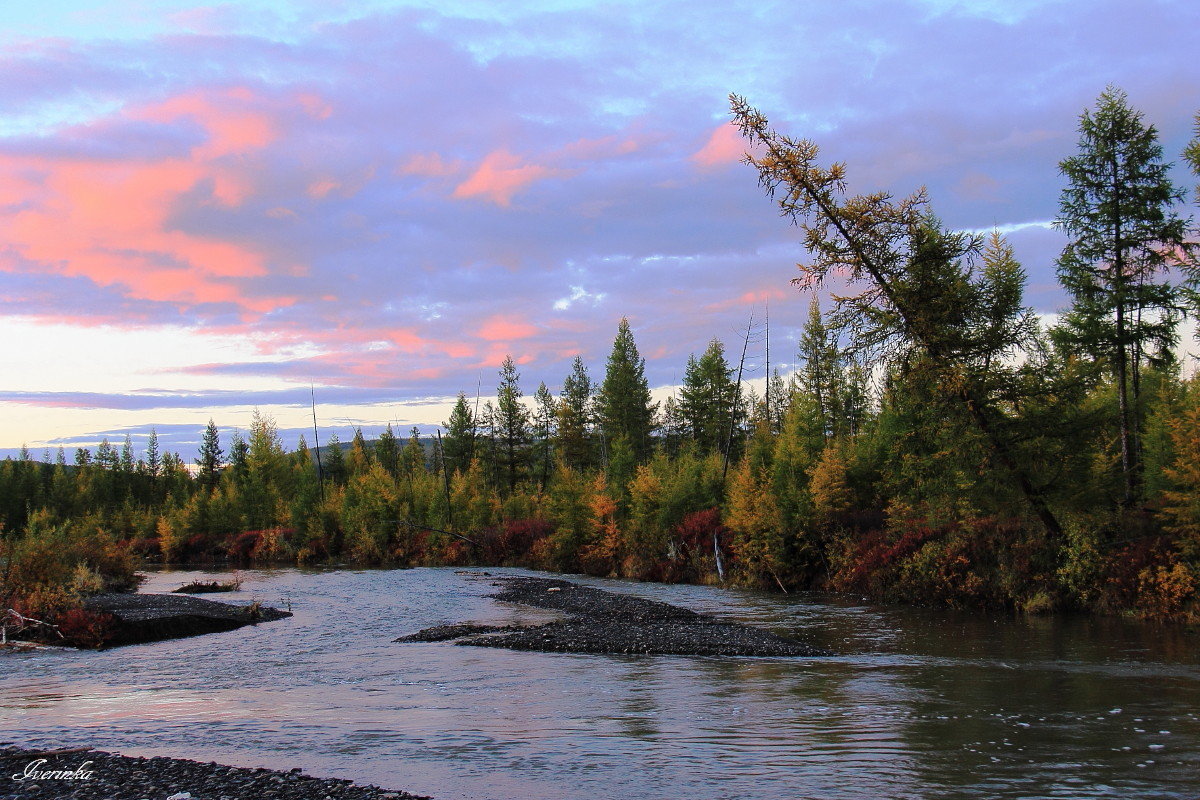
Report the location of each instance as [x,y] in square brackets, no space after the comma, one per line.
[737,399]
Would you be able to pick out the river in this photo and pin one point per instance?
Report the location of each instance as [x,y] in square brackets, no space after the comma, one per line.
[916,703]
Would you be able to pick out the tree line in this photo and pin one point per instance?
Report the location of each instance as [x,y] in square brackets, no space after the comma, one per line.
[937,443]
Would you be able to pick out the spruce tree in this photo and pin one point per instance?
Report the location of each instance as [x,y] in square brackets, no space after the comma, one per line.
[706,400]
[1125,238]
[459,442]
[544,432]
[623,403]
[334,460]
[387,451]
[211,456]
[512,424]
[575,444]
[153,458]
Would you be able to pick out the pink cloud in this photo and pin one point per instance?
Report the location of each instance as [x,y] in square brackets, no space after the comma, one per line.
[753,297]
[501,328]
[111,220]
[500,176]
[231,129]
[604,147]
[724,146]
[320,188]
[430,165]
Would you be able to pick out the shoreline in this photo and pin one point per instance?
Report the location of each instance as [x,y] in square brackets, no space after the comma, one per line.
[81,773]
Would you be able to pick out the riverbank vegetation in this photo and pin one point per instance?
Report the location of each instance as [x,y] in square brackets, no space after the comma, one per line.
[938,442]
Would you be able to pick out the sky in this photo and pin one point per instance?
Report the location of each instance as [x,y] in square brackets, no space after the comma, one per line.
[206,209]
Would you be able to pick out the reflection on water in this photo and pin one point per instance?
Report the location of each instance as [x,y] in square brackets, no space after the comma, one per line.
[917,704]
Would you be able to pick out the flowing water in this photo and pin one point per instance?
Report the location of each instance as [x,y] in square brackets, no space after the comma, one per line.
[916,704]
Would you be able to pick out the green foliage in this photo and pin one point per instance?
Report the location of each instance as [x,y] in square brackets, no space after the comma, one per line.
[459,442]
[706,399]
[576,446]
[1125,238]
[511,426]
[623,403]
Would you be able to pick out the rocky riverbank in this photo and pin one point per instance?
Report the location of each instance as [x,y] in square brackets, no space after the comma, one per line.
[605,622]
[85,774]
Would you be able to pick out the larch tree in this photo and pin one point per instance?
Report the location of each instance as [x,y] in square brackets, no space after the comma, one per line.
[916,295]
[1192,154]
[1125,239]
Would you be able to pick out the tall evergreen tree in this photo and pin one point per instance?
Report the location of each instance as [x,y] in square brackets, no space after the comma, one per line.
[623,403]
[1125,238]
[387,451]
[706,400]
[334,460]
[820,370]
[575,443]
[127,460]
[153,458]
[512,424]
[211,456]
[459,441]
[545,418]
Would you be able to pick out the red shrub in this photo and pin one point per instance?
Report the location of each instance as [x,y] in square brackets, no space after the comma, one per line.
[83,628]
[519,537]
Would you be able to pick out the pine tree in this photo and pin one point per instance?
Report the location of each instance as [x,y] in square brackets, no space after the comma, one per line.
[623,403]
[1125,238]
[211,456]
[706,400]
[671,425]
[512,424]
[387,451]
[575,443]
[459,441]
[153,459]
[545,432]
[412,458]
[126,464]
[821,371]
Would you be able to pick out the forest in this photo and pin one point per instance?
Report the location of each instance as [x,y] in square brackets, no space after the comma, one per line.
[938,442]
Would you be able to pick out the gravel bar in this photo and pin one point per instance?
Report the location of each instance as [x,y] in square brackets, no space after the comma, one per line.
[85,774]
[150,617]
[605,622]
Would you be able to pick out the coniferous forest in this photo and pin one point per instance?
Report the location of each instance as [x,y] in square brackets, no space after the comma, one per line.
[938,443]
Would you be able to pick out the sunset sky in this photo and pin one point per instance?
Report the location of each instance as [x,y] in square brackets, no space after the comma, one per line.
[205,208]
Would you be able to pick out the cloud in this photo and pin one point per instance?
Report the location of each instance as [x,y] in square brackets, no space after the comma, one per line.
[724,146]
[500,176]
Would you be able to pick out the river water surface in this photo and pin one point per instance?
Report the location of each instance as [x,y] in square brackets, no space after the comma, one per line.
[917,704]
